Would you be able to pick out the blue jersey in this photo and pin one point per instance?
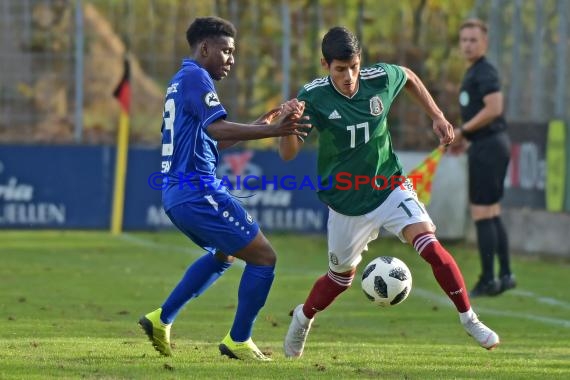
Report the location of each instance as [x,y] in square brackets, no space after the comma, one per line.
[189,154]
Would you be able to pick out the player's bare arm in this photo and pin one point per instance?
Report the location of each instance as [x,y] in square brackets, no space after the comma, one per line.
[290,125]
[289,146]
[264,119]
[269,116]
[418,91]
[292,107]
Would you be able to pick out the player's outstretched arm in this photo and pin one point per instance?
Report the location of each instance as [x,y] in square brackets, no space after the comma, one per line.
[289,146]
[269,116]
[279,121]
[288,125]
[418,91]
[264,119]
[292,109]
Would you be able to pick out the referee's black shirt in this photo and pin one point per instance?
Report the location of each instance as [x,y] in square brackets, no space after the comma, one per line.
[481,79]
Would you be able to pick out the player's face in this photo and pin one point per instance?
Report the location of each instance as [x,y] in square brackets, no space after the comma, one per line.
[218,56]
[344,74]
[473,43]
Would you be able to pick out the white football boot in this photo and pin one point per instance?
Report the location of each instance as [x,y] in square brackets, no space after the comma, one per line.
[486,337]
[297,334]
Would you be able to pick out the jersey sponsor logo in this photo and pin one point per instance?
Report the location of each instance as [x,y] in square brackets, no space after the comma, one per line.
[334,115]
[211,99]
[376,106]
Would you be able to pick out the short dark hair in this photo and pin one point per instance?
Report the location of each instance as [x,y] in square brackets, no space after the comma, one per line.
[208,27]
[474,23]
[339,43]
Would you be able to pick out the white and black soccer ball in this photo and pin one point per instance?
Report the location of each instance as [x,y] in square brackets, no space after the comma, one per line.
[386,281]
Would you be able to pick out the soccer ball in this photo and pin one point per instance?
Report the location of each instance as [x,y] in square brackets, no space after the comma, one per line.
[386,281]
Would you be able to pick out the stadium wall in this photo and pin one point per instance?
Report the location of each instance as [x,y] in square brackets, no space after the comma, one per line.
[70,187]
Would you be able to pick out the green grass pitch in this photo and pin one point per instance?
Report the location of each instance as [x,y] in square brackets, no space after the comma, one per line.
[69,303]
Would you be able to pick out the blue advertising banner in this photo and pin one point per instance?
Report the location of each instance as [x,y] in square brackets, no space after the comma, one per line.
[55,187]
[143,204]
[70,187]
[280,195]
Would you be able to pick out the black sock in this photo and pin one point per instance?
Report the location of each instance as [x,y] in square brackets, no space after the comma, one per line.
[502,247]
[487,241]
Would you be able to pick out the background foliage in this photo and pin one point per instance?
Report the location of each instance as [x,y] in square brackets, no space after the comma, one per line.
[278,51]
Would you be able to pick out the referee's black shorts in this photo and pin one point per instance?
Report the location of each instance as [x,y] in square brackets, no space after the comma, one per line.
[488,161]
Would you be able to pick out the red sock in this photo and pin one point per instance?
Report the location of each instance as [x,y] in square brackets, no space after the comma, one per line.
[444,269]
[325,290]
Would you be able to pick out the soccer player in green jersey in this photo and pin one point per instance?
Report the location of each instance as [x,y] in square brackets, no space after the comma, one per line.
[349,108]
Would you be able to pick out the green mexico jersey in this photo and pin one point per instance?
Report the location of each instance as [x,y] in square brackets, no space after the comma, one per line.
[356,161]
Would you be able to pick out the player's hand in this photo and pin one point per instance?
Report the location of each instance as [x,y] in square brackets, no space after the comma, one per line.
[292,106]
[443,130]
[291,120]
[269,116]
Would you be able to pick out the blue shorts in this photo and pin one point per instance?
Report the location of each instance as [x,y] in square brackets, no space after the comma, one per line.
[216,222]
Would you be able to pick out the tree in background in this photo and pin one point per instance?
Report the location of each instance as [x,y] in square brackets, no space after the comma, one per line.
[420,34]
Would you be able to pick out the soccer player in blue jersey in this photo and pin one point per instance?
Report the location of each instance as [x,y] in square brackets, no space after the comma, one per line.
[194,129]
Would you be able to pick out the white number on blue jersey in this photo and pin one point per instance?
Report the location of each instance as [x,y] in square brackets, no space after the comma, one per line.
[168,133]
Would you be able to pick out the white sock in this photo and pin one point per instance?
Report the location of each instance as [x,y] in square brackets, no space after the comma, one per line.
[467,316]
[302,317]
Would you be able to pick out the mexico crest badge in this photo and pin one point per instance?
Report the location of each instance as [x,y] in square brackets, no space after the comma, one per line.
[376,106]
